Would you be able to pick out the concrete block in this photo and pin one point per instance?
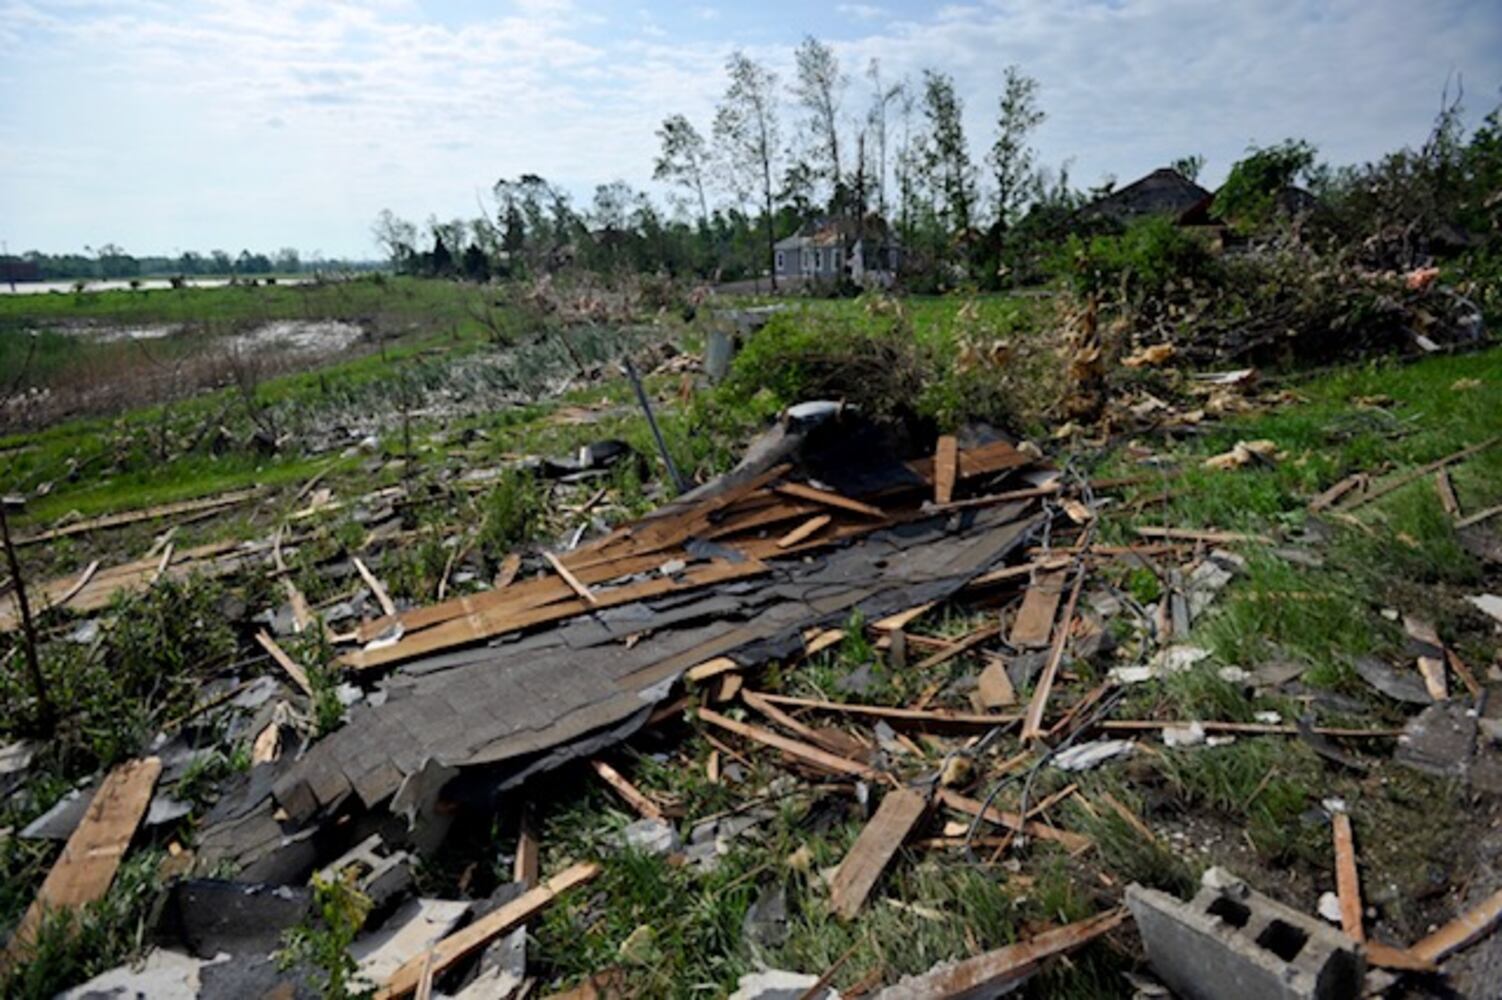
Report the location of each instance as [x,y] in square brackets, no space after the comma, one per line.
[1229,941]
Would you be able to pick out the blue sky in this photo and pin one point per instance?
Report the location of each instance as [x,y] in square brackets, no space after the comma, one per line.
[259,123]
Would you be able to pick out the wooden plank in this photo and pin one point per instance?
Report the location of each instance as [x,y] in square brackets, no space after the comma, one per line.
[1347,882]
[91,857]
[902,619]
[1002,970]
[710,668]
[1479,516]
[1012,821]
[954,649]
[1403,480]
[932,716]
[998,456]
[1197,535]
[573,581]
[946,467]
[805,530]
[134,516]
[291,666]
[1388,957]
[634,796]
[469,939]
[813,755]
[1040,604]
[1129,817]
[487,624]
[1431,651]
[1446,491]
[1250,728]
[1464,673]
[829,498]
[1464,930]
[83,581]
[994,687]
[1335,492]
[1032,726]
[900,811]
[376,588]
[507,571]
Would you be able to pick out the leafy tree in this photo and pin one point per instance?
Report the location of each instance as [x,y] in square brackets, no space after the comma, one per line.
[684,160]
[882,97]
[746,132]
[1189,166]
[1250,192]
[396,236]
[946,158]
[1013,161]
[819,88]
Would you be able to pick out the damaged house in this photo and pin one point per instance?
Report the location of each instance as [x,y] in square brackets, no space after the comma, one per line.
[829,250]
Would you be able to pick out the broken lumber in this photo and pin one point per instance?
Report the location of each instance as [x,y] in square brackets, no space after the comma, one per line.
[1479,516]
[83,581]
[1250,728]
[1196,535]
[634,796]
[805,530]
[829,498]
[87,866]
[1002,970]
[1464,930]
[1347,882]
[1334,493]
[569,578]
[382,598]
[954,649]
[1430,651]
[813,755]
[291,666]
[133,516]
[895,818]
[471,938]
[1032,725]
[1405,478]
[946,467]
[1012,821]
[1446,490]
[935,716]
[1040,603]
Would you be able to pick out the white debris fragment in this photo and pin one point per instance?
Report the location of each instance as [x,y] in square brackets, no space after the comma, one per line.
[1234,675]
[1219,741]
[1329,907]
[1177,659]
[1333,806]
[1088,755]
[1268,718]
[1132,675]
[1488,604]
[1191,735]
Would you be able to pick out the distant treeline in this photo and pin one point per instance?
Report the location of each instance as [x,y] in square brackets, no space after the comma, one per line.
[113,262]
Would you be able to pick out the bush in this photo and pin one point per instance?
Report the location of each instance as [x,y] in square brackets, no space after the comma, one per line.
[513,512]
[1149,262]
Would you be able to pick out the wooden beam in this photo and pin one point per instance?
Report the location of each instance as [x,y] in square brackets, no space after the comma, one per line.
[946,467]
[1040,604]
[291,666]
[1419,473]
[805,530]
[382,598]
[1197,535]
[1334,493]
[634,796]
[900,811]
[1465,929]
[1479,516]
[813,755]
[528,850]
[83,581]
[133,516]
[937,716]
[829,498]
[954,649]
[1032,725]
[91,857]
[1012,821]
[1446,491]
[1347,882]
[569,578]
[1002,970]
[469,939]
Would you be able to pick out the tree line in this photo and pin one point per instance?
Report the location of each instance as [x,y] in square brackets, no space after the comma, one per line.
[774,156]
[112,262]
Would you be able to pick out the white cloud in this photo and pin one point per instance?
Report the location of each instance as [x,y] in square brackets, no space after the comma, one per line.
[266,123]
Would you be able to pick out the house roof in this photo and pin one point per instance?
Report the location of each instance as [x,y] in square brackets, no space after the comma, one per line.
[1163,192]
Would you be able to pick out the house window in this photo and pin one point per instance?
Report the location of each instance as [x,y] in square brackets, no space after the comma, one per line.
[818,260]
[834,258]
[779,261]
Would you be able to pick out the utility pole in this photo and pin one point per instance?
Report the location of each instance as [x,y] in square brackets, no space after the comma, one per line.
[46,716]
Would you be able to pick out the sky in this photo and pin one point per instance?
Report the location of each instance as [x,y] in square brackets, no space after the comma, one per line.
[262,124]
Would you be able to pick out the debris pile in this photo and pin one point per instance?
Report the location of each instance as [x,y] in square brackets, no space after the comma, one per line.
[681,630]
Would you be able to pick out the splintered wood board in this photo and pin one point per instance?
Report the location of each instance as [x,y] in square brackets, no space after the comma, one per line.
[87,866]
[1034,622]
[899,812]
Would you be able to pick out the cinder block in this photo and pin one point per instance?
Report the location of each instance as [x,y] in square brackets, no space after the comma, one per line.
[1229,941]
